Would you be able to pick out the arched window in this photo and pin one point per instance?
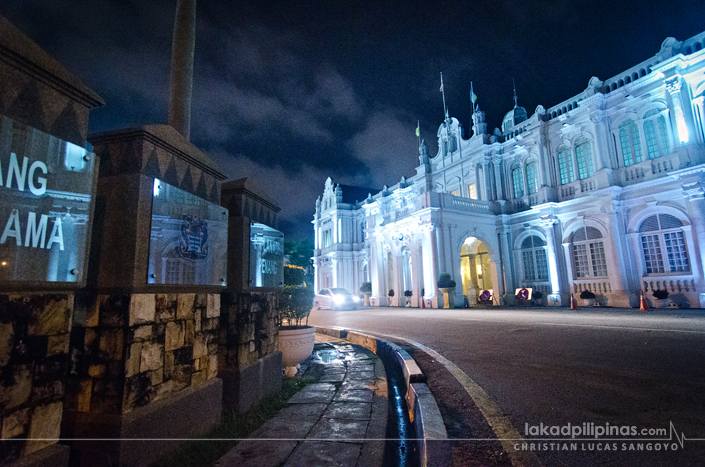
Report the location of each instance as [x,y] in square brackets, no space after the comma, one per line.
[584,156]
[531,178]
[533,257]
[565,166]
[629,139]
[663,233]
[588,253]
[656,134]
[517,181]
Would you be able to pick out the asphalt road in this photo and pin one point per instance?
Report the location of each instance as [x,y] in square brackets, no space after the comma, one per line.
[558,367]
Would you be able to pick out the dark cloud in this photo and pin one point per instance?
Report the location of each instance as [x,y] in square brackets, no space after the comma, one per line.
[289,93]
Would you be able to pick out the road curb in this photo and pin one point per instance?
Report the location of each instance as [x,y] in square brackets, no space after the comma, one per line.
[434,448]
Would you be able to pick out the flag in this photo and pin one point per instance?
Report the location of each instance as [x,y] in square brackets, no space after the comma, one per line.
[473,96]
[418,129]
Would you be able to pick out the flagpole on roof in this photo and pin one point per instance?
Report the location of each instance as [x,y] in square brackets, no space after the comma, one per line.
[473,98]
[445,110]
[418,130]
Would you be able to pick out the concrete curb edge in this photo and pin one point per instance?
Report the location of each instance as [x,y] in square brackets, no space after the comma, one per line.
[434,448]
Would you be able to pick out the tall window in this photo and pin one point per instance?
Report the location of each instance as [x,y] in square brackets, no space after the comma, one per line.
[629,139]
[531,179]
[663,233]
[584,156]
[517,182]
[656,134]
[588,253]
[533,258]
[565,166]
[472,191]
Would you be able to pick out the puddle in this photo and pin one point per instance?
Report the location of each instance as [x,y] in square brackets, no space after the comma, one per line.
[326,355]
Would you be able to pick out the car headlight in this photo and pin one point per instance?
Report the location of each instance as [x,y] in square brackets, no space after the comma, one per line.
[339,299]
[356,299]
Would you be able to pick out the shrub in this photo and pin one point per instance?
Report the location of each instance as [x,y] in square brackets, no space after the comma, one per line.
[660,294]
[295,304]
[538,295]
[391,292]
[366,287]
[444,281]
[408,293]
[293,275]
[586,294]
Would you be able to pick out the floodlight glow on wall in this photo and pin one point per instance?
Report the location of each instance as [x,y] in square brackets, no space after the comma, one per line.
[682,127]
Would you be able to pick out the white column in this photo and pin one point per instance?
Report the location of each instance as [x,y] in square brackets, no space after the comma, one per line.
[554,299]
[695,236]
[673,86]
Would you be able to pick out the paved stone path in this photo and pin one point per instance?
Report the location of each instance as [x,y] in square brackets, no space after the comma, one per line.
[335,420]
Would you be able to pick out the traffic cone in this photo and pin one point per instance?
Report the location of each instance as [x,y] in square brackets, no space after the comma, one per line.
[643,305]
[573,303]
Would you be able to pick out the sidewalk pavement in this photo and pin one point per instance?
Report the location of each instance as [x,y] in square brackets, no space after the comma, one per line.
[338,418]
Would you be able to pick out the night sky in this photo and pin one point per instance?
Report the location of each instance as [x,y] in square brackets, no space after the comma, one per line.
[289,93]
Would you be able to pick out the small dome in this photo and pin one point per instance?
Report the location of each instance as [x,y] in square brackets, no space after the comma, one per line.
[513,118]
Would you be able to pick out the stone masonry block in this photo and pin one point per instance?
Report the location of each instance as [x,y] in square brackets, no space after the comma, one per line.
[190,333]
[151,357]
[142,333]
[21,390]
[174,336]
[198,377]
[213,306]
[168,364]
[15,424]
[201,300]
[197,321]
[134,360]
[142,308]
[5,343]
[54,318]
[45,424]
[111,343]
[212,366]
[185,306]
[84,396]
[58,344]
[200,347]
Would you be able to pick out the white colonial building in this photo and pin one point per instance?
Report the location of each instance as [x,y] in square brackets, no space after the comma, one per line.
[605,192]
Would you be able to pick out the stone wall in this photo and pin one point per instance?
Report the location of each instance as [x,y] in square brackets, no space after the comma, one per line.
[34,346]
[249,359]
[131,350]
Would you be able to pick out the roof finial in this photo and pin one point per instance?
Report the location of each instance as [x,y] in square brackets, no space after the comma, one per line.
[515,93]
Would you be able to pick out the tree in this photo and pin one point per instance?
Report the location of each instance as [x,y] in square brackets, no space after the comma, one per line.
[298,252]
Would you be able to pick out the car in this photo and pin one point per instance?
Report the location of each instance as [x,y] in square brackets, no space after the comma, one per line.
[335,299]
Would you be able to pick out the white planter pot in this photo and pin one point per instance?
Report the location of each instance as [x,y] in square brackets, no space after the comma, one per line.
[448,297]
[296,345]
[367,298]
[588,302]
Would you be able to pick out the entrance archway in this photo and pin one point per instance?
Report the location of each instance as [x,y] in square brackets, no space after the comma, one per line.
[475,269]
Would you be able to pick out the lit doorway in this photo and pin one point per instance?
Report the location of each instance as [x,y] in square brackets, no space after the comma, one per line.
[475,269]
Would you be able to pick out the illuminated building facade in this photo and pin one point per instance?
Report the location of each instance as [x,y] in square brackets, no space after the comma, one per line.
[603,192]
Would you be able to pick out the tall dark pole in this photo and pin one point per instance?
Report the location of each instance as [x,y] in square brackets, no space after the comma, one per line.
[182,51]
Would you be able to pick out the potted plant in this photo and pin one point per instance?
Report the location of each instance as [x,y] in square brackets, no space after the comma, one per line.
[537,296]
[587,297]
[447,286]
[408,294]
[295,338]
[366,290]
[661,296]
[390,294]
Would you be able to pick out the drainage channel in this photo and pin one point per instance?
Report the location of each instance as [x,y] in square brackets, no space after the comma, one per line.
[398,450]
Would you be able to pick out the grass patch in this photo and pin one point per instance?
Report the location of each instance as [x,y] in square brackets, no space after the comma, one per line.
[222,437]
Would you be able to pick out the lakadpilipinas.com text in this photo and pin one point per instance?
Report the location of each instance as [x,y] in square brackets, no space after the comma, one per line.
[592,437]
